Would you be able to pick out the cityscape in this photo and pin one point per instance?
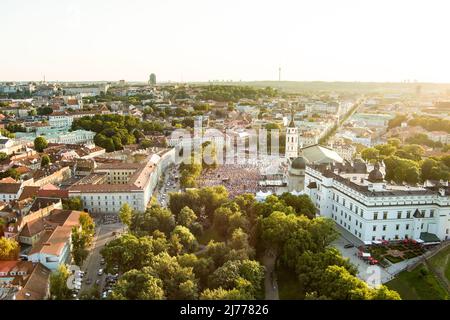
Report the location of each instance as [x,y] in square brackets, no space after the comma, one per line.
[221,189]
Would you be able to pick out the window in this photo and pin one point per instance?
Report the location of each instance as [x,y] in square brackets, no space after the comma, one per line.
[384,227]
[421,227]
[383,237]
[385,215]
[374,228]
[399,215]
[375,216]
[397,227]
[373,238]
[407,227]
[351,206]
[431,213]
[396,237]
[408,214]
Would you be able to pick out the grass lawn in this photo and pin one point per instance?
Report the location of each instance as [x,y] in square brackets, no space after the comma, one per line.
[416,286]
[441,261]
[210,234]
[288,285]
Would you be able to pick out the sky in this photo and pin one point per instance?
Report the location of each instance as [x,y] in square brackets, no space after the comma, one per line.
[202,40]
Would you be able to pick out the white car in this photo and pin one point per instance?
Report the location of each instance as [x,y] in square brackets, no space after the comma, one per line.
[100,272]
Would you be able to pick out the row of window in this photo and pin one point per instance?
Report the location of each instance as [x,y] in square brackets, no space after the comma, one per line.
[360,211]
[106,197]
[106,203]
[397,227]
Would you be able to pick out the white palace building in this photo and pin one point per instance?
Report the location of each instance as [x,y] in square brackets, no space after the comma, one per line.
[372,209]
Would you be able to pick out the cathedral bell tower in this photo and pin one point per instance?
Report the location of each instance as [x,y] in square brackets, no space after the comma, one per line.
[291,138]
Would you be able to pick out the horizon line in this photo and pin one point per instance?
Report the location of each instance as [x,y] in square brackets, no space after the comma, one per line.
[231,81]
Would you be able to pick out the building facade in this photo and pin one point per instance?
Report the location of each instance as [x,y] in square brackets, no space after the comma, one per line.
[371,209]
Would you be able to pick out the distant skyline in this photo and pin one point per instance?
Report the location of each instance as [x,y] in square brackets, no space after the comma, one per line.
[202,40]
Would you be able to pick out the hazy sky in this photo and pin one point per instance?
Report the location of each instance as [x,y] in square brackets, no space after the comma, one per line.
[200,40]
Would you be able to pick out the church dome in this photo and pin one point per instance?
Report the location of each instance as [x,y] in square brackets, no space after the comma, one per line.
[298,163]
[375,175]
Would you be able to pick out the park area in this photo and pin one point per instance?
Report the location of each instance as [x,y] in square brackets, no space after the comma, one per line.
[428,281]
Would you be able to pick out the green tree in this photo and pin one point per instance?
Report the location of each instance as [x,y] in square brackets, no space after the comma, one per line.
[245,275]
[40,143]
[3,156]
[310,267]
[186,238]
[9,249]
[125,214]
[138,285]
[128,252]
[302,204]
[222,294]
[79,251]
[45,160]
[186,217]
[401,170]
[370,154]
[386,150]
[58,283]
[178,282]
[82,238]
[73,203]
[154,218]
[395,142]
[338,284]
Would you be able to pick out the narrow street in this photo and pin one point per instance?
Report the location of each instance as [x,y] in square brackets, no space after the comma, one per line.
[104,234]
[270,280]
[169,184]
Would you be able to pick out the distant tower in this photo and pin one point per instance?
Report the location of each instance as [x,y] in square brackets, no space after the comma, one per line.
[291,138]
[152,79]
[279,73]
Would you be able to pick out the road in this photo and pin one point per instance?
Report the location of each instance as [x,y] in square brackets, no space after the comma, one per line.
[103,235]
[270,279]
[169,185]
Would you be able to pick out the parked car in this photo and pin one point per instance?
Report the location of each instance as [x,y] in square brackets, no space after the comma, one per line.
[100,272]
[349,245]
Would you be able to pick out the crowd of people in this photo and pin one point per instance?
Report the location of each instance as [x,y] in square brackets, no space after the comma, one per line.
[238,178]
